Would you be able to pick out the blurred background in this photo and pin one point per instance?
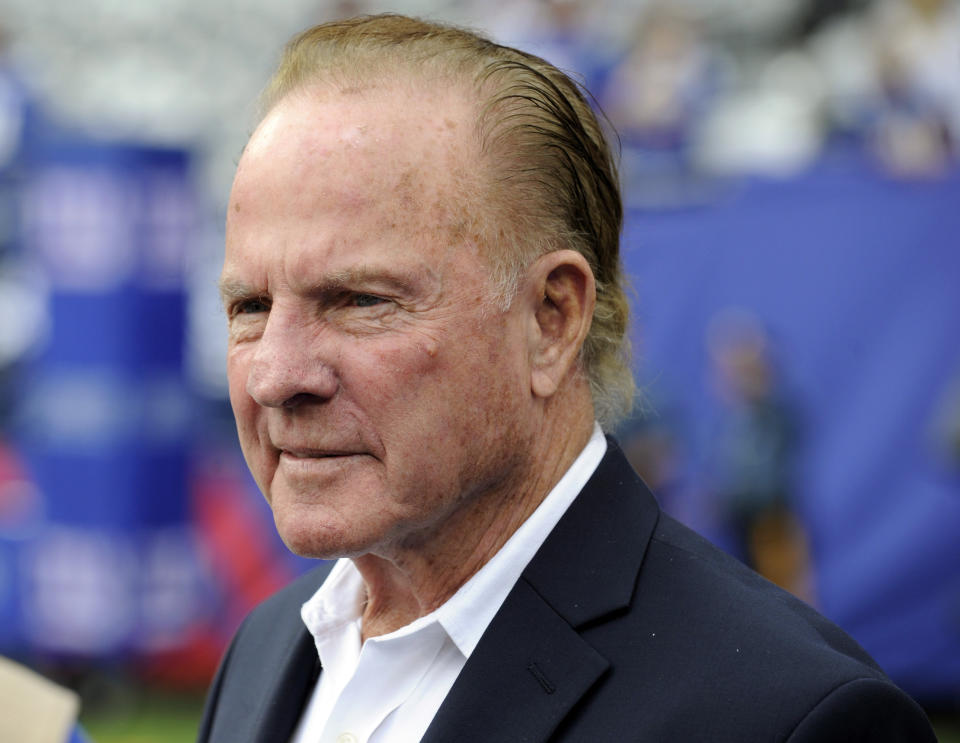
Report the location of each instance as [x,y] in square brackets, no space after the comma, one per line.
[792,176]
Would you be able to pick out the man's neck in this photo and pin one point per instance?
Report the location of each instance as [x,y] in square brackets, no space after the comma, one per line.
[412,580]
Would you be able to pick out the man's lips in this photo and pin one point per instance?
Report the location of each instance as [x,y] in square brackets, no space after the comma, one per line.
[301,453]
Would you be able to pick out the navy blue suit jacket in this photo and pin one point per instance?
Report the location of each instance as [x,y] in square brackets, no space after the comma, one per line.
[625,626]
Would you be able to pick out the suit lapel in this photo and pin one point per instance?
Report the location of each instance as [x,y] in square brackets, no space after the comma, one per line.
[588,566]
[286,689]
[262,697]
[526,673]
[532,666]
[268,672]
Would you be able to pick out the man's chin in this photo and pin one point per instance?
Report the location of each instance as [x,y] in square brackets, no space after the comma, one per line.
[315,539]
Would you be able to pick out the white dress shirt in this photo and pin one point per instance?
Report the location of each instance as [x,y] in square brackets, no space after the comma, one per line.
[388,689]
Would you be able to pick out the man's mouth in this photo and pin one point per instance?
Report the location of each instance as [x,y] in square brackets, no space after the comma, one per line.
[305,454]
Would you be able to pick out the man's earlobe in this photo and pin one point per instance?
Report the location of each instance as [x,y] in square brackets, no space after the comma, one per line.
[566,293]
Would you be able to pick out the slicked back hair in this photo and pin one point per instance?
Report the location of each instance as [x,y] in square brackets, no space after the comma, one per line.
[549,181]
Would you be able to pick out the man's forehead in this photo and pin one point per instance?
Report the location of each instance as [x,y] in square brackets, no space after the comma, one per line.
[318,150]
[325,121]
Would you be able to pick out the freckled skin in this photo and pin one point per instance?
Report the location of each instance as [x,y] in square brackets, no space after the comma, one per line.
[407,383]
[383,408]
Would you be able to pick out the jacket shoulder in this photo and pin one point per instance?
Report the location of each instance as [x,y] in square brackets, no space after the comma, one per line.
[716,647]
[736,602]
[862,711]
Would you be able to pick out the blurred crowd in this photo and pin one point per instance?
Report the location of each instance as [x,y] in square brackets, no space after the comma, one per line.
[719,88]
[722,85]
[726,100]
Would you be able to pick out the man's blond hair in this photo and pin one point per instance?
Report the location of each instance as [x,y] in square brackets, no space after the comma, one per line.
[550,181]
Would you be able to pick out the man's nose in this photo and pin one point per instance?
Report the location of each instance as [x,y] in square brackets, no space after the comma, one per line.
[292,363]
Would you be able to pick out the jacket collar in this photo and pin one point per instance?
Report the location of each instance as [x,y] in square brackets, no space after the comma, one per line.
[531,665]
[588,565]
[279,678]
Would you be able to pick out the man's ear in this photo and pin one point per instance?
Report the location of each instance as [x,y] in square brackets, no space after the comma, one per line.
[562,294]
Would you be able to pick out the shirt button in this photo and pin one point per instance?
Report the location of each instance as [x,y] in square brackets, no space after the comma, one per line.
[346,738]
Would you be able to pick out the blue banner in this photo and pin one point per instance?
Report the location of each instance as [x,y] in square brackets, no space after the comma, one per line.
[109,563]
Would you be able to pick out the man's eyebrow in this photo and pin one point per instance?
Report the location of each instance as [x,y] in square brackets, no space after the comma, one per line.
[350,278]
[386,277]
[232,289]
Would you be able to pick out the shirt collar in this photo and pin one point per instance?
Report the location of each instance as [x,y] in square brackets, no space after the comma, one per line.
[339,601]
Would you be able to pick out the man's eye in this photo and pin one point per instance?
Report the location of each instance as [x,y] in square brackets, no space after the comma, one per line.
[251,306]
[367,300]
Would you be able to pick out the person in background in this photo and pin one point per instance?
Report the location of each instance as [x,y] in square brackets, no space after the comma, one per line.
[755,450]
[427,321]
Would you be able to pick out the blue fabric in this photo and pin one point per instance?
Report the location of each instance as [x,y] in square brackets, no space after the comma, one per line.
[857,277]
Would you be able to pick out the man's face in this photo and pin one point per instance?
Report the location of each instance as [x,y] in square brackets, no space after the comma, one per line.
[377,392]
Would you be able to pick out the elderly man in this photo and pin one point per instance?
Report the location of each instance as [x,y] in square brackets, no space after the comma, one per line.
[426,325]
